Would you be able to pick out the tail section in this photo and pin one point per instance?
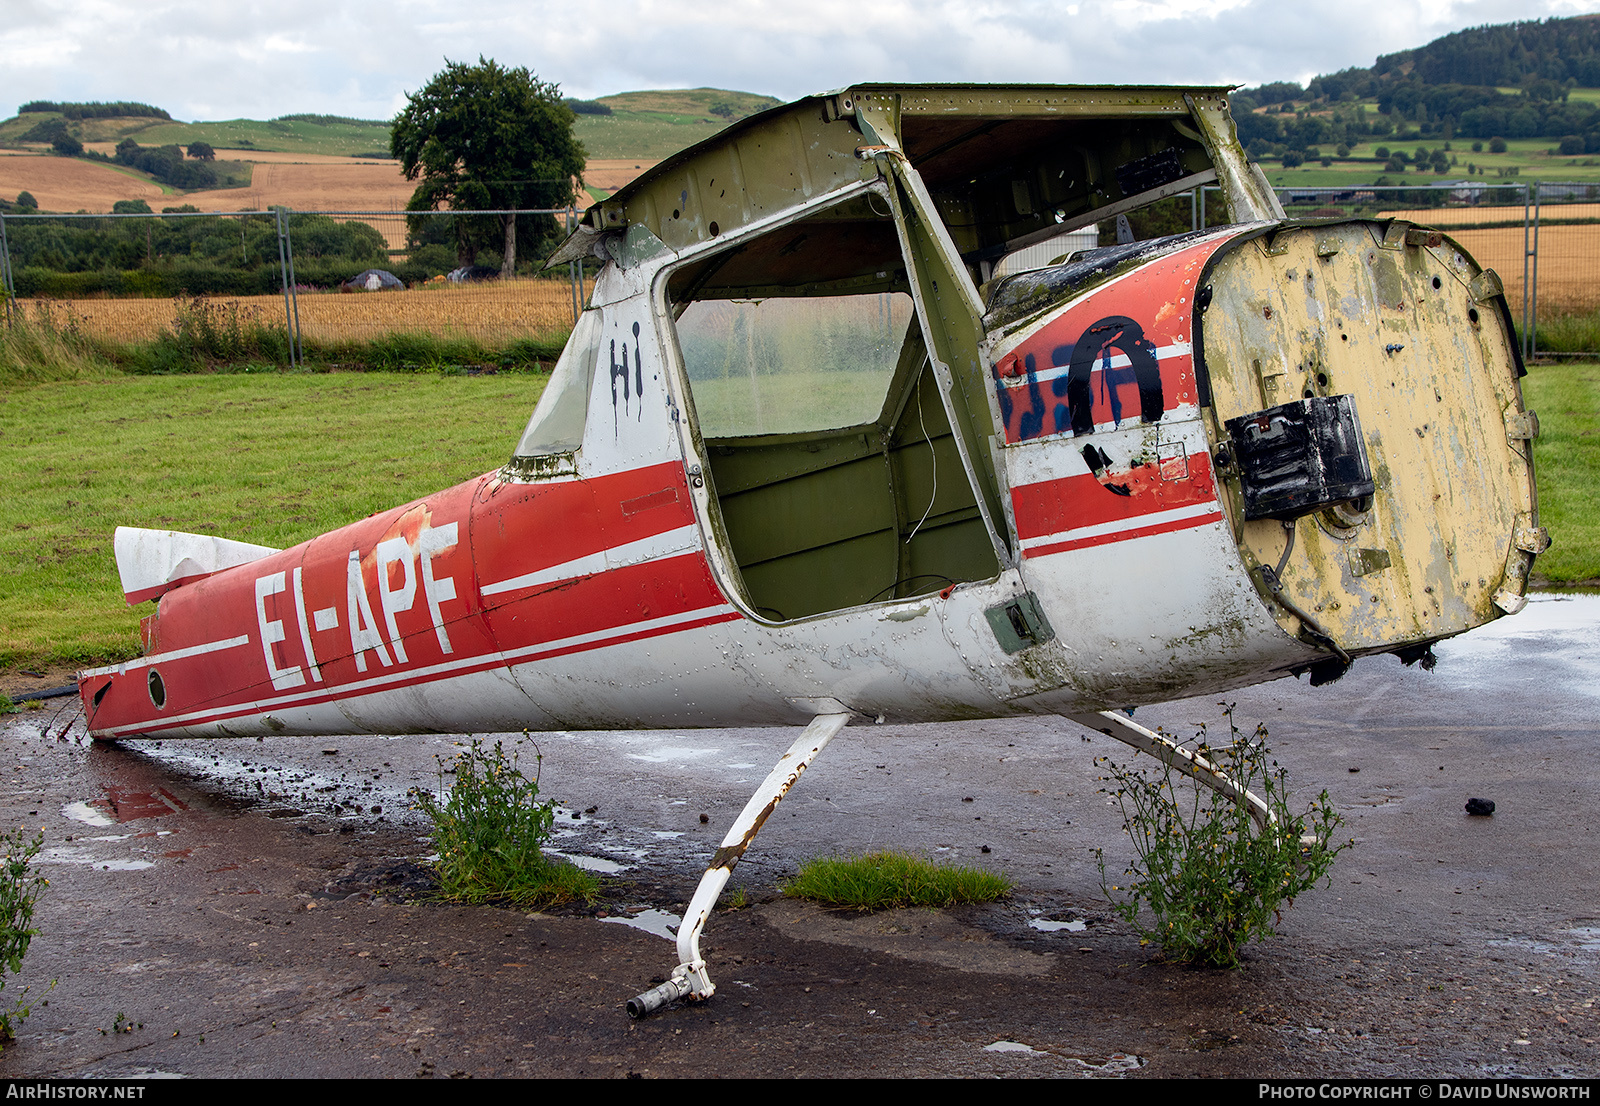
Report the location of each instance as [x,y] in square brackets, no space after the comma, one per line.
[153,562]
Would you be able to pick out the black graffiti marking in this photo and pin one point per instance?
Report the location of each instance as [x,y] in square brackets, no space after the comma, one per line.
[619,371]
[638,371]
[1100,463]
[1097,342]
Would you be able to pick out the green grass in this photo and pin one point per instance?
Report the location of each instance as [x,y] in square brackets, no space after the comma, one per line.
[260,456]
[1531,158]
[656,125]
[887,879]
[1568,332]
[297,136]
[1567,463]
[293,136]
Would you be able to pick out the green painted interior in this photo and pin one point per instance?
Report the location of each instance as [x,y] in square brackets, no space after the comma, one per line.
[826,520]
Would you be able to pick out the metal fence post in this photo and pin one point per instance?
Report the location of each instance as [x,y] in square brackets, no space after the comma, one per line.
[575,270]
[294,291]
[10,288]
[283,270]
[1527,253]
[1533,310]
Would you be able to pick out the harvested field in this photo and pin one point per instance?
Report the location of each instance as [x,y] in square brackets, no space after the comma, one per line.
[491,313]
[612,173]
[1471,216]
[1566,263]
[67,184]
[341,186]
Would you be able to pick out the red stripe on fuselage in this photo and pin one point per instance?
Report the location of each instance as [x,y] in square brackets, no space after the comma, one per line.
[1073,502]
[1124,535]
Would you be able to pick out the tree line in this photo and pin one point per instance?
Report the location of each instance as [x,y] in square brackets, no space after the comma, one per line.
[208,255]
[1448,88]
[96,109]
[204,255]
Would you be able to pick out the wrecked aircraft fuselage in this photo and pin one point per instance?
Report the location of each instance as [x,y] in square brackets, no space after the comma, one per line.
[807,455]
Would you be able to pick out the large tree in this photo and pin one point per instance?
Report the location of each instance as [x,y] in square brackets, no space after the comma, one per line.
[482,136]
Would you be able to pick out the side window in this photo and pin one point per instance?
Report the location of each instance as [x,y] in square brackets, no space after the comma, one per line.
[783,365]
[558,420]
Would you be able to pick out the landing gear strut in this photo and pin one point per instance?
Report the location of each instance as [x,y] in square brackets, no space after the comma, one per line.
[689,978]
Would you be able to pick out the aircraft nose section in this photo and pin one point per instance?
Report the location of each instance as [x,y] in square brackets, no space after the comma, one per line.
[1373,454]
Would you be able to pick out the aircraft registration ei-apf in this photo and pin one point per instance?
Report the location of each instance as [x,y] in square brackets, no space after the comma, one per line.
[816,451]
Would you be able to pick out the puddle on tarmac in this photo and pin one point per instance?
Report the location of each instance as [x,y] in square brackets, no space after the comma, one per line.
[591,863]
[1556,628]
[1117,1064]
[1046,925]
[665,754]
[652,921]
[1562,942]
[125,836]
[67,854]
[88,815]
[1013,1046]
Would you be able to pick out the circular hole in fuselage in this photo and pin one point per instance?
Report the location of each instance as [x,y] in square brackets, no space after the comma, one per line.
[158,689]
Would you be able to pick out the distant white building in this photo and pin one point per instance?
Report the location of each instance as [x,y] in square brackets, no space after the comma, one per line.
[1041,254]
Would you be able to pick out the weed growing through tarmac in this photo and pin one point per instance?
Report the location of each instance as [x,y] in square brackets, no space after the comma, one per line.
[20,885]
[489,831]
[1211,878]
[887,879]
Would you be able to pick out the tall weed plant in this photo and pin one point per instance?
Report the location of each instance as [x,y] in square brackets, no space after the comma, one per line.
[490,830]
[20,886]
[1206,879]
[46,345]
[1568,332]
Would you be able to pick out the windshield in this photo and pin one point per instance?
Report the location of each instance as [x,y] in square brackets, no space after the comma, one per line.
[557,423]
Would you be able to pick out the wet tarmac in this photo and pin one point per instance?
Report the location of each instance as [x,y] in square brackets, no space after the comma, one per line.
[261,908]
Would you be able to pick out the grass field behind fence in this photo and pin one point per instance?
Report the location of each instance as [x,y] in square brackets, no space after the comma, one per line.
[491,312]
[272,459]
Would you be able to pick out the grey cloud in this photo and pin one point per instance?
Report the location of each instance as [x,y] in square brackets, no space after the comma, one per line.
[218,60]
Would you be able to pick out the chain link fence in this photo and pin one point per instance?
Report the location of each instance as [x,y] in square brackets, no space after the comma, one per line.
[1542,238]
[330,279]
[341,278]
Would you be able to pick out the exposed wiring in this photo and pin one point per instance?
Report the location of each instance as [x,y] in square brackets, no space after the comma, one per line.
[921,423]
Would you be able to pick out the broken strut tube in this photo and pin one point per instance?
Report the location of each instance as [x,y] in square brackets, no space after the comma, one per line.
[689,979]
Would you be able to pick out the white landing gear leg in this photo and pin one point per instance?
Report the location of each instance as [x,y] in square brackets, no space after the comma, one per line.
[689,978]
[1193,765]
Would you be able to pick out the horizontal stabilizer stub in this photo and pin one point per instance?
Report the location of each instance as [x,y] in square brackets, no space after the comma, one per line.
[153,562]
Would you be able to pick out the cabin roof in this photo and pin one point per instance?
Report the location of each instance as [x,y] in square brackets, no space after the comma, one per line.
[778,158]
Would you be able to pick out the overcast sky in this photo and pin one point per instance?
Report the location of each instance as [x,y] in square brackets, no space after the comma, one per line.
[226,59]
